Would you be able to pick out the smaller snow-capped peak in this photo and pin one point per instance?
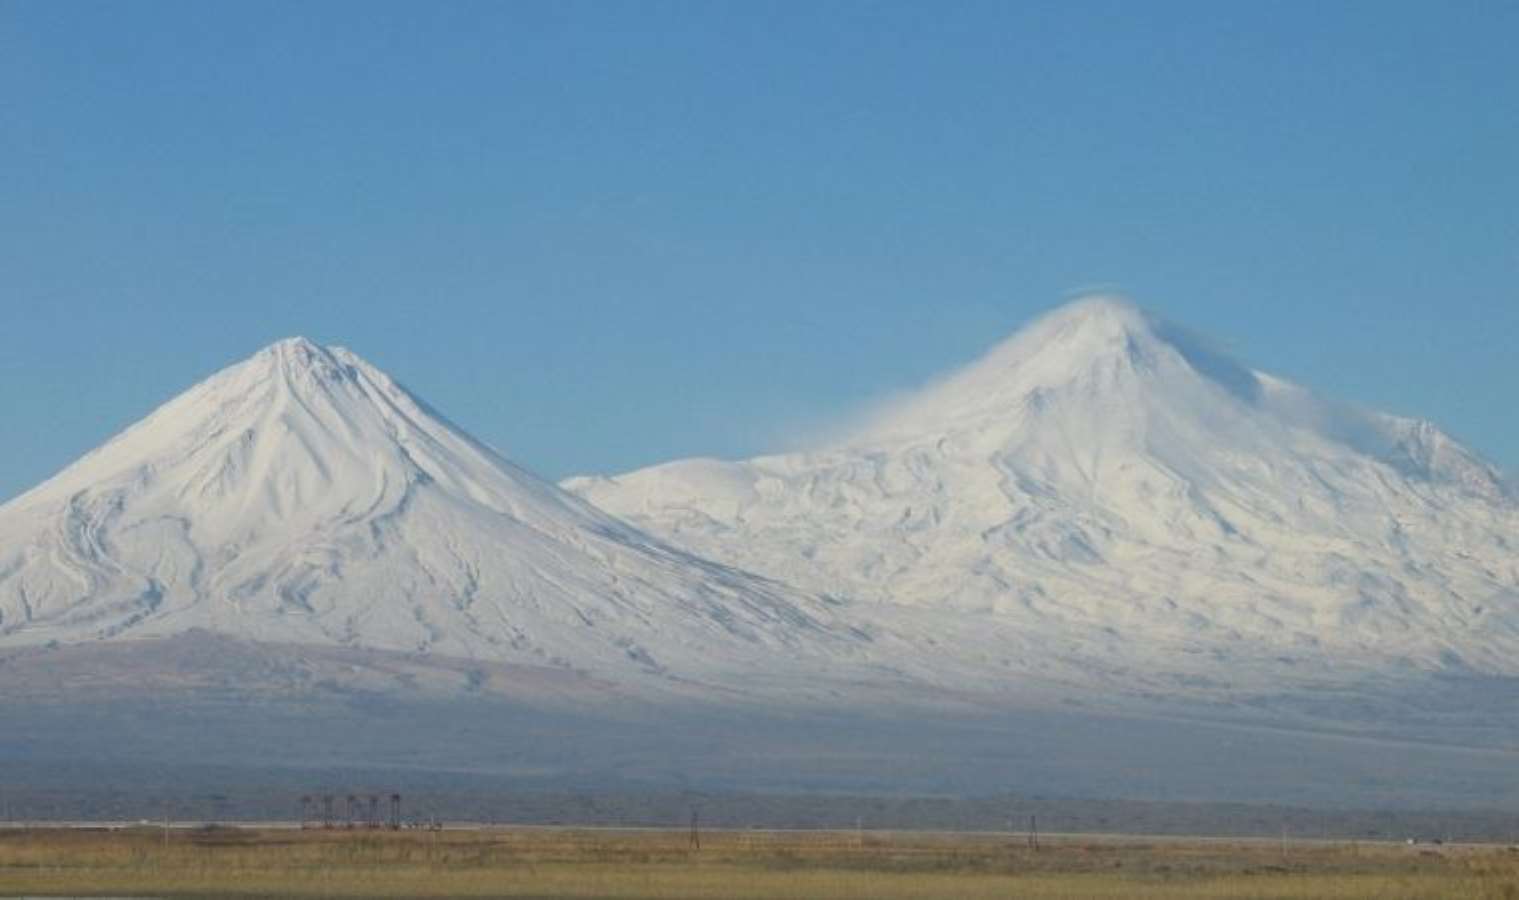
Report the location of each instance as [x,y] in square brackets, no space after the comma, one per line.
[297,347]
[302,495]
[297,429]
[295,357]
[308,367]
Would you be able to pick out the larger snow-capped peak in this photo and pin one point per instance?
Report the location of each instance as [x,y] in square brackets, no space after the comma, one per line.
[1098,344]
[1098,341]
[1107,482]
[1101,372]
[303,495]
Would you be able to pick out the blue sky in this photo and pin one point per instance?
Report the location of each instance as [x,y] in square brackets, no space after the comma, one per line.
[604,235]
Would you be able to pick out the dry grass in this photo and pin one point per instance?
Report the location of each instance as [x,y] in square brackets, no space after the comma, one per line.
[633,864]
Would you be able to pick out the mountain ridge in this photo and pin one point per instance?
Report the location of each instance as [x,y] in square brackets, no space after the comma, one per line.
[1103,505]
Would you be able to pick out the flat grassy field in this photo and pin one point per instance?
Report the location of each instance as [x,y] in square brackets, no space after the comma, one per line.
[542,863]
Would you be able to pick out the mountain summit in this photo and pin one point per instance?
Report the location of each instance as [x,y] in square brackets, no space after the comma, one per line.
[1101,370]
[302,496]
[1105,490]
[1099,344]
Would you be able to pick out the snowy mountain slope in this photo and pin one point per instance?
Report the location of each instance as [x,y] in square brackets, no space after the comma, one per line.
[302,496]
[1105,494]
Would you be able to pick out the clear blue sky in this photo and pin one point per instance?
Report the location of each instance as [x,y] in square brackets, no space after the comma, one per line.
[604,235]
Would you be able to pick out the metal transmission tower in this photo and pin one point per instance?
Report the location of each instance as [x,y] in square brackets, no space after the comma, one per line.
[353,810]
[395,812]
[695,831]
[326,810]
[373,820]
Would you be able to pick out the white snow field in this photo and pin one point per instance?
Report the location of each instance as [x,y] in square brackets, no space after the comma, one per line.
[303,497]
[1101,510]
[1104,499]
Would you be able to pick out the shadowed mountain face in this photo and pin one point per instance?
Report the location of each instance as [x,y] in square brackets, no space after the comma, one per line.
[1106,491]
[304,497]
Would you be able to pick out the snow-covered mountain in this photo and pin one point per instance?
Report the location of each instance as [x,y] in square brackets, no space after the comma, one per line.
[1101,506]
[303,497]
[1105,495]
